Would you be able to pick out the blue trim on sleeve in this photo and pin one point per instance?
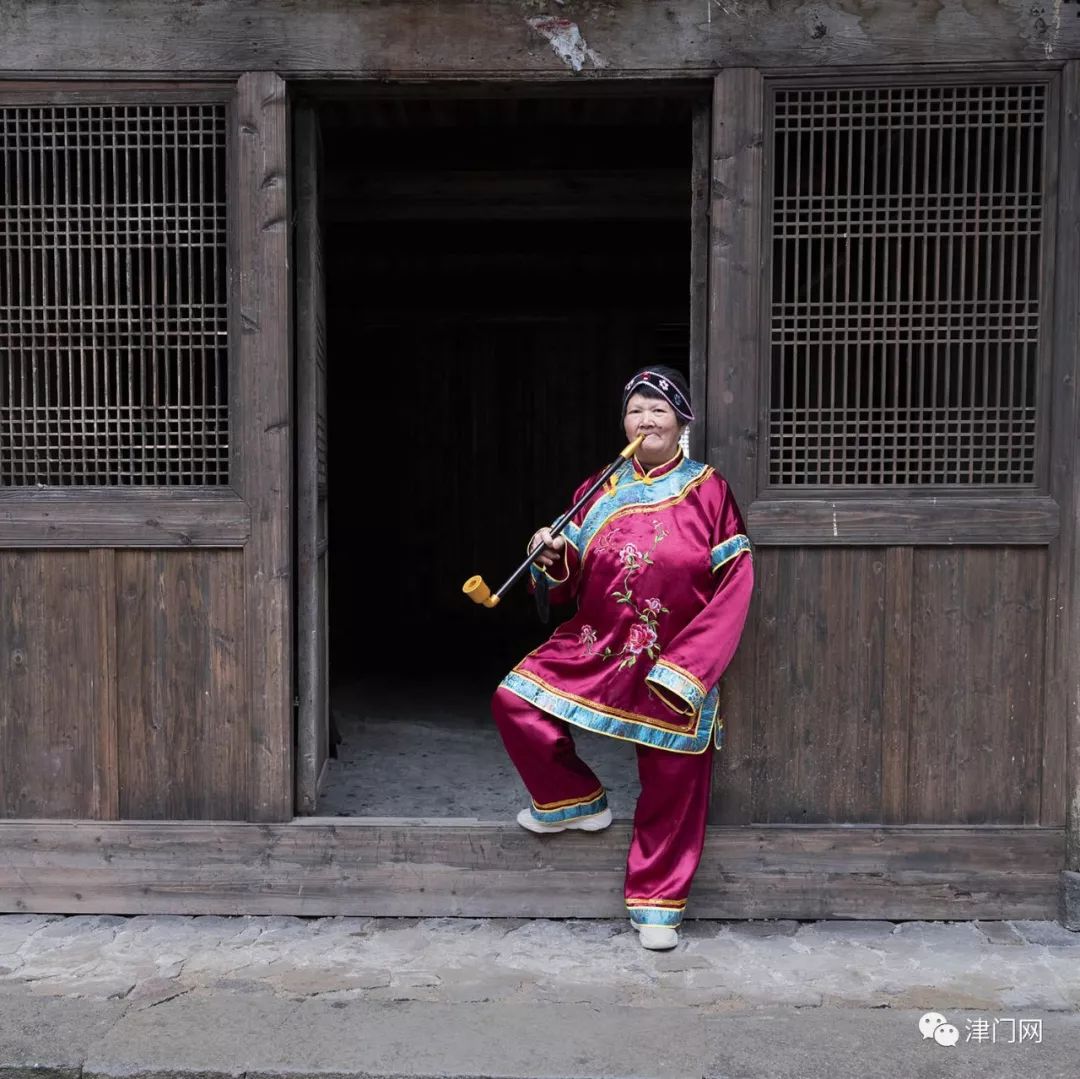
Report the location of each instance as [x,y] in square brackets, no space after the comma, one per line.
[541,576]
[683,688]
[726,551]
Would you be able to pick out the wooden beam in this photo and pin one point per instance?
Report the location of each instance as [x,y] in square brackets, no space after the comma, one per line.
[475,869]
[472,38]
[263,423]
[952,519]
[111,518]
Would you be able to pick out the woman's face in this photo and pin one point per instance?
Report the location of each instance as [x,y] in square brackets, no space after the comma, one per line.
[654,418]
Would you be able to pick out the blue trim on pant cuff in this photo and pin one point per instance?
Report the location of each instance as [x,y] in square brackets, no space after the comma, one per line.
[564,813]
[655,916]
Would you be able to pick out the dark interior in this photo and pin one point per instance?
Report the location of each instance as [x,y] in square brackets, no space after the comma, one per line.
[495,270]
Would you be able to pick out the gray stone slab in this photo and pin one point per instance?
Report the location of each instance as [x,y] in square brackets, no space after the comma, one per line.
[213,1035]
[832,1043]
[224,1035]
[848,930]
[779,927]
[204,1033]
[954,934]
[81,924]
[1050,933]
[1000,933]
[51,1036]
[1069,913]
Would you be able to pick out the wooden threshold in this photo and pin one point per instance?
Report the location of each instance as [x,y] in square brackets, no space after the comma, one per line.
[464,868]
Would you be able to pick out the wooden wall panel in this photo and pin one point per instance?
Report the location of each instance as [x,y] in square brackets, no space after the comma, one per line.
[184,735]
[977,623]
[819,647]
[57,687]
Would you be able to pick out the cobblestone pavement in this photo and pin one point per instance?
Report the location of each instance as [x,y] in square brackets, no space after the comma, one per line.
[115,971]
[996,965]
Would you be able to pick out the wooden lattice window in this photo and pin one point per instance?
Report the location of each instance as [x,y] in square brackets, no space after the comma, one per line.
[906,286]
[113,322]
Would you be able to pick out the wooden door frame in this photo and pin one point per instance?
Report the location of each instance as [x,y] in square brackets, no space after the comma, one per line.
[263,426]
[312,629]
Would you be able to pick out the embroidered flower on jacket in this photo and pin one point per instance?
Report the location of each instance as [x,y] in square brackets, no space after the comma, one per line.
[642,637]
[587,638]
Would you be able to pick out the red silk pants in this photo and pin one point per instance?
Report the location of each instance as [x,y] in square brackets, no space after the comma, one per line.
[669,820]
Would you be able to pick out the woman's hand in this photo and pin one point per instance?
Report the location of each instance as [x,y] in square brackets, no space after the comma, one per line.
[552,547]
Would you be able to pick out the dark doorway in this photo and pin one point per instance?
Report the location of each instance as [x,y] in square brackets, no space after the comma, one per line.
[495,269]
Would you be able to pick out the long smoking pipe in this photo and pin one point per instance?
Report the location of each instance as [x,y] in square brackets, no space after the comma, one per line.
[479,592]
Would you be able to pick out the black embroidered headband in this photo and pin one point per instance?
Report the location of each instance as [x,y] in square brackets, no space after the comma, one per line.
[665,387]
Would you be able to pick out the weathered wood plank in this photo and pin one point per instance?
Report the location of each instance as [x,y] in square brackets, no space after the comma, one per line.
[312,667]
[898,521]
[183,730]
[731,401]
[977,629]
[497,37]
[1061,748]
[820,658]
[896,690]
[57,699]
[263,423]
[107,773]
[116,519]
[471,869]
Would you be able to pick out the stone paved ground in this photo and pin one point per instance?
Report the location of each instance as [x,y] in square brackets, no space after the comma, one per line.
[177,996]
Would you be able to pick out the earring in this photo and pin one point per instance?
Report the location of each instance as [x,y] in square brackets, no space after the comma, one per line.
[684,440]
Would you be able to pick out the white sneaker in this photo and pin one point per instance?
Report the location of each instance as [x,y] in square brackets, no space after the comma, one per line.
[658,938]
[597,822]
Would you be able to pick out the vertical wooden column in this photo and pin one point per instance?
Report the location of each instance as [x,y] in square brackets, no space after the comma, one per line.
[735,356]
[1063,626]
[262,434]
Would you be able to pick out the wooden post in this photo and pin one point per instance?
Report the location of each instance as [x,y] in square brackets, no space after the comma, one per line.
[1063,630]
[263,429]
[731,406]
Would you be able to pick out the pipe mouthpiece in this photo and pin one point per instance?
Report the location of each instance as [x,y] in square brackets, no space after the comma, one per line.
[633,447]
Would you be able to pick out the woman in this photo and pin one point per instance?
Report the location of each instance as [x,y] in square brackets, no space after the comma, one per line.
[660,566]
